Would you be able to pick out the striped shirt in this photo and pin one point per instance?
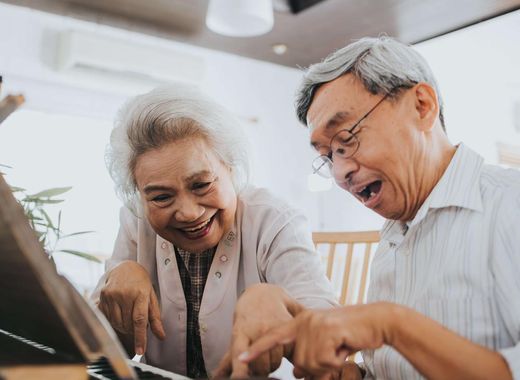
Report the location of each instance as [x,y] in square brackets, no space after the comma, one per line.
[193,270]
[457,262]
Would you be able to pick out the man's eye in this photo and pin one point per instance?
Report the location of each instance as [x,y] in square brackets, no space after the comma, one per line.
[347,141]
[340,152]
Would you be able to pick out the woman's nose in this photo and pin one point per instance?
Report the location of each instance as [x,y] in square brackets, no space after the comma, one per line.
[188,211]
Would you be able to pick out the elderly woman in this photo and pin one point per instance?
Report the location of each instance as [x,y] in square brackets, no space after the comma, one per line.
[193,234]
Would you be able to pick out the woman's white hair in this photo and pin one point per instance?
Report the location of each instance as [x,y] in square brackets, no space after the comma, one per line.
[162,116]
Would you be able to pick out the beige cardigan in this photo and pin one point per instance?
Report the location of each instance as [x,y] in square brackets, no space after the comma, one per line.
[269,242]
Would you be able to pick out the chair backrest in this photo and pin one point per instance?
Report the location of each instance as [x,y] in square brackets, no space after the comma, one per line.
[352,277]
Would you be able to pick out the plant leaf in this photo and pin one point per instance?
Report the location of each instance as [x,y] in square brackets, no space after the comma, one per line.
[81,254]
[51,192]
[47,218]
[15,189]
[77,233]
[41,201]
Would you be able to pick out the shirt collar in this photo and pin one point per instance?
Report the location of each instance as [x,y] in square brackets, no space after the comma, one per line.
[458,186]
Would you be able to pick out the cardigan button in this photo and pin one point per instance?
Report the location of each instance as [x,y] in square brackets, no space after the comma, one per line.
[218,274]
[167,261]
[223,258]
[164,245]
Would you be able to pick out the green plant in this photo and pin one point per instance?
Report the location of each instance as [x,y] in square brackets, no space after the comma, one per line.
[49,233]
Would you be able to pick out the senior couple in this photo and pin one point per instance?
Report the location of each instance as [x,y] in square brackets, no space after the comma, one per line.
[213,277]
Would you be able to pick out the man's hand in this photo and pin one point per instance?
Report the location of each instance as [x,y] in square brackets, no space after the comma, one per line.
[260,308]
[130,304]
[323,339]
[349,371]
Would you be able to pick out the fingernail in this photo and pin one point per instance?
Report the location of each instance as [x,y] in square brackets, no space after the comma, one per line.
[243,356]
[139,351]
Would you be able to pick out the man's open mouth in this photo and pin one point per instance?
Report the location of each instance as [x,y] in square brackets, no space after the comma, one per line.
[369,192]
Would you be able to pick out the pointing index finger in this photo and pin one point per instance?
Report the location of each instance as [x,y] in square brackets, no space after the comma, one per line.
[240,370]
[281,335]
[140,322]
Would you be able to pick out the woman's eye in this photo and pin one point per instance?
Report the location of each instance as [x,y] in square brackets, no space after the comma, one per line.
[161,198]
[200,186]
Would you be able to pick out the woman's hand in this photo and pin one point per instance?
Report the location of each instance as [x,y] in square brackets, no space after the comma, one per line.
[129,302]
[323,339]
[260,308]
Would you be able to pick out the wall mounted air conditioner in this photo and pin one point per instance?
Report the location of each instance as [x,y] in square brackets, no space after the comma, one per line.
[118,65]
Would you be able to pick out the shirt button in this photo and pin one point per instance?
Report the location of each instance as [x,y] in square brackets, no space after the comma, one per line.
[167,261]
[164,245]
[223,258]
[218,274]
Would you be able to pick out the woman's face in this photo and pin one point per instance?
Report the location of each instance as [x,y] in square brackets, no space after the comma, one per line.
[187,193]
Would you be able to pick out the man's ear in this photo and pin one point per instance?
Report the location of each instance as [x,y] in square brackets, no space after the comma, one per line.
[426,105]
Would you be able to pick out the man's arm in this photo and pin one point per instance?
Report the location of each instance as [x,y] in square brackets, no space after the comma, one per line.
[438,353]
[323,339]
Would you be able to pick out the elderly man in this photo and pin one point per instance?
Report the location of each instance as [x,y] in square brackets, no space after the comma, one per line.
[444,298]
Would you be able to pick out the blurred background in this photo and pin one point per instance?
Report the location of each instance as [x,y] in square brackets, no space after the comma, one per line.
[76,62]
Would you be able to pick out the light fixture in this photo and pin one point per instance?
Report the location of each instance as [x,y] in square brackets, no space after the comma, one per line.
[240,18]
[279,49]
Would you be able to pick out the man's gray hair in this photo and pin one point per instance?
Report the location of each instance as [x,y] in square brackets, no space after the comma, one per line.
[167,114]
[382,64]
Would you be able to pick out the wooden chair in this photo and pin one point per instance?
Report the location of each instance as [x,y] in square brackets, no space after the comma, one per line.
[353,278]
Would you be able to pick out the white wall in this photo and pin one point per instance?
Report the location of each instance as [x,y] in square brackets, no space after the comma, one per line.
[478,73]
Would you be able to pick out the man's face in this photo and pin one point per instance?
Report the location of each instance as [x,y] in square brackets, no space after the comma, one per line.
[383,173]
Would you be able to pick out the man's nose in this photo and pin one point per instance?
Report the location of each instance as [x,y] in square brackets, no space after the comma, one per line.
[342,170]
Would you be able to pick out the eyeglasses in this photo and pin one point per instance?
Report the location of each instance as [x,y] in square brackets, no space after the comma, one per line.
[343,144]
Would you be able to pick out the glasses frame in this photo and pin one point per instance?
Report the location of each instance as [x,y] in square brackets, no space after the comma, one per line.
[326,159]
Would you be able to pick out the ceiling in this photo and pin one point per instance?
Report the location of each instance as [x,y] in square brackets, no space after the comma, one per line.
[310,35]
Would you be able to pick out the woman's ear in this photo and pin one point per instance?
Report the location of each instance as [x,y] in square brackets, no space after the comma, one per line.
[426,105]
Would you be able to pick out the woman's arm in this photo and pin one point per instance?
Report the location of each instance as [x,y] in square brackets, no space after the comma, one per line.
[288,262]
[125,293]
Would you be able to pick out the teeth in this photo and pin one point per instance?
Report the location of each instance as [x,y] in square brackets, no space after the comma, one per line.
[199,227]
[369,197]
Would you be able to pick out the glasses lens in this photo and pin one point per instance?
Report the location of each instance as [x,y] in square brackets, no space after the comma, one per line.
[344,144]
[322,166]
